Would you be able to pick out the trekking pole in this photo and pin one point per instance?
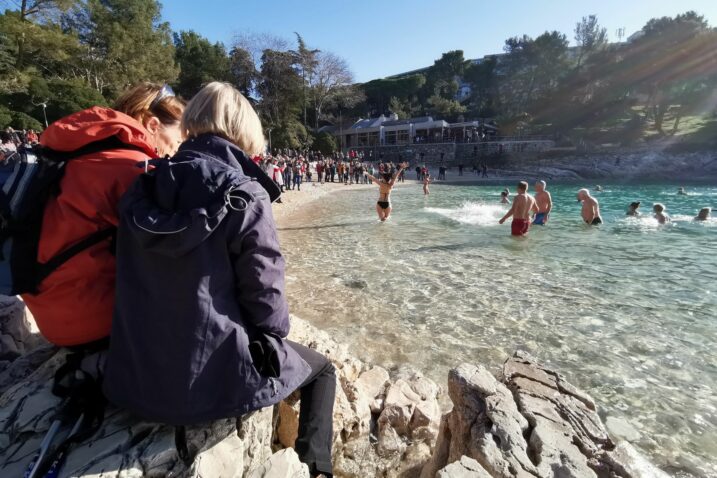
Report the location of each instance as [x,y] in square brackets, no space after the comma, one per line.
[44,448]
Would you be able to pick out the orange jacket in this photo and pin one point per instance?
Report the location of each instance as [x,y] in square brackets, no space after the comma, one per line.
[75,303]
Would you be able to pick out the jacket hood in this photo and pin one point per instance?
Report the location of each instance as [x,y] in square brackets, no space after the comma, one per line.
[95,124]
[172,209]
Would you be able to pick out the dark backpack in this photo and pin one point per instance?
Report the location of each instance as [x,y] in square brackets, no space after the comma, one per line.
[36,178]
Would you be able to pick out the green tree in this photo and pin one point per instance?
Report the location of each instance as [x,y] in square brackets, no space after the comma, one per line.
[306,61]
[243,71]
[590,37]
[124,42]
[483,80]
[441,78]
[280,88]
[324,143]
[200,62]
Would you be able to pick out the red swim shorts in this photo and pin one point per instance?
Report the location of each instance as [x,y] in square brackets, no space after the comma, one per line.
[519,227]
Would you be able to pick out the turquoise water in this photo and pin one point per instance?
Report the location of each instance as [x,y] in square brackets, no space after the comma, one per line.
[625,310]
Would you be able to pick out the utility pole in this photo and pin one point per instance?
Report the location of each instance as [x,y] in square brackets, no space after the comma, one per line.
[269,131]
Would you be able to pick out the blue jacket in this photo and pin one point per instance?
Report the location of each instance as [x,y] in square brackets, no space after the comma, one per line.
[199,276]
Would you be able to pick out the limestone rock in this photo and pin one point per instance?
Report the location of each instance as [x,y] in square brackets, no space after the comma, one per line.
[464,468]
[531,423]
[124,446]
[372,383]
[282,464]
[18,332]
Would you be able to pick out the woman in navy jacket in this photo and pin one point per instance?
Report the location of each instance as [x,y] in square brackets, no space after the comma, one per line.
[201,315]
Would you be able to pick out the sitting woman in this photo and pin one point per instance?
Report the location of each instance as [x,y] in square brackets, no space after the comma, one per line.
[75,303]
[201,317]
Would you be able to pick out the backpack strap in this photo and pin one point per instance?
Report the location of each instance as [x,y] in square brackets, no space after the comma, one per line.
[44,270]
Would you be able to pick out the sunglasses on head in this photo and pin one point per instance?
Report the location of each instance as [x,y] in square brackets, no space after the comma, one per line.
[165,92]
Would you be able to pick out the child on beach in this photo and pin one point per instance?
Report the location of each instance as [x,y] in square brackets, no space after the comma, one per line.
[523,205]
[660,214]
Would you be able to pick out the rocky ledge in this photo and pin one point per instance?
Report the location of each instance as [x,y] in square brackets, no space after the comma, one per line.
[525,422]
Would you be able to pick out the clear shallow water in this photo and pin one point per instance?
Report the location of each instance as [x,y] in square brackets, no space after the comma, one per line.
[627,311]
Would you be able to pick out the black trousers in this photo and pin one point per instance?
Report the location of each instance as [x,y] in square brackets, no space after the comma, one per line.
[316,412]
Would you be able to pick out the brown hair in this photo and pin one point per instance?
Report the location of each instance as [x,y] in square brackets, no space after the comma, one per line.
[523,186]
[137,103]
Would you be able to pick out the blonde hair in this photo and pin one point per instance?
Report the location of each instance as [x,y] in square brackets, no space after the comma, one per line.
[137,102]
[219,108]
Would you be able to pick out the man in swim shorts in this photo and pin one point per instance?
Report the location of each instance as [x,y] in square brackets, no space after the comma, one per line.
[544,202]
[591,209]
[523,205]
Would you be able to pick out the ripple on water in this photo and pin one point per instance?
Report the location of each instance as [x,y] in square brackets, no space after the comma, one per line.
[625,310]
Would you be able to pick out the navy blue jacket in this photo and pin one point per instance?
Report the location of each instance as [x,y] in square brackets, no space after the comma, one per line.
[199,276]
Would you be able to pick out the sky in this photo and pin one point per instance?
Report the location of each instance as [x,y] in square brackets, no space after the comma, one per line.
[379,38]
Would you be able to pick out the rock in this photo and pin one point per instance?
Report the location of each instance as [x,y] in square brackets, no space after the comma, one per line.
[464,468]
[282,464]
[18,332]
[125,446]
[372,383]
[531,423]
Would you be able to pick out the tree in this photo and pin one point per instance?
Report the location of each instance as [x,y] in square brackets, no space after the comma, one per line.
[200,62]
[331,83]
[444,108]
[124,42]
[379,92]
[307,61]
[673,62]
[243,71]
[325,143]
[590,37]
[483,80]
[533,68]
[280,87]
[441,77]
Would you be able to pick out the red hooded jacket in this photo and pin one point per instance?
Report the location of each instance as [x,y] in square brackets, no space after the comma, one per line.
[75,303]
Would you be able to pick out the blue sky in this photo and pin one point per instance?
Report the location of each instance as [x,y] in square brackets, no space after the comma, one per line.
[381,38]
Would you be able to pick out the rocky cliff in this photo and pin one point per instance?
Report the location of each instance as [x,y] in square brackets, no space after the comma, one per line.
[525,422]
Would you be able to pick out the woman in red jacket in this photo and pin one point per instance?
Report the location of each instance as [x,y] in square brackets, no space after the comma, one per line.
[75,303]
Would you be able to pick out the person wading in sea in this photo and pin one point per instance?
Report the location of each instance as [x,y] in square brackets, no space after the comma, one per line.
[545,204]
[523,205]
[385,185]
[591,209]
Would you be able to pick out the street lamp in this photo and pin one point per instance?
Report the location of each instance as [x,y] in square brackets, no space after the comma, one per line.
[44,110]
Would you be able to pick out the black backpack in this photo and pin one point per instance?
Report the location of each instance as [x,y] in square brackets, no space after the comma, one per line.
[35,178]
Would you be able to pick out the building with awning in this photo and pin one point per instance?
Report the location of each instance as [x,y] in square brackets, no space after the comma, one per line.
[391,131]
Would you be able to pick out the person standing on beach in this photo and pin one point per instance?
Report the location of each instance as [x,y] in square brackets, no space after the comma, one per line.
[523,205]
[385,185]
[545,203]
[591,209]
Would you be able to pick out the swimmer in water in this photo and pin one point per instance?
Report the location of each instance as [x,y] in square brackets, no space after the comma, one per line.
[523,205]
[591,209]
[660,214]
[544,202]
[704,214]
[504,197]
[598,188]
[426,182]
[681,191]
[632,209]
[385,185]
